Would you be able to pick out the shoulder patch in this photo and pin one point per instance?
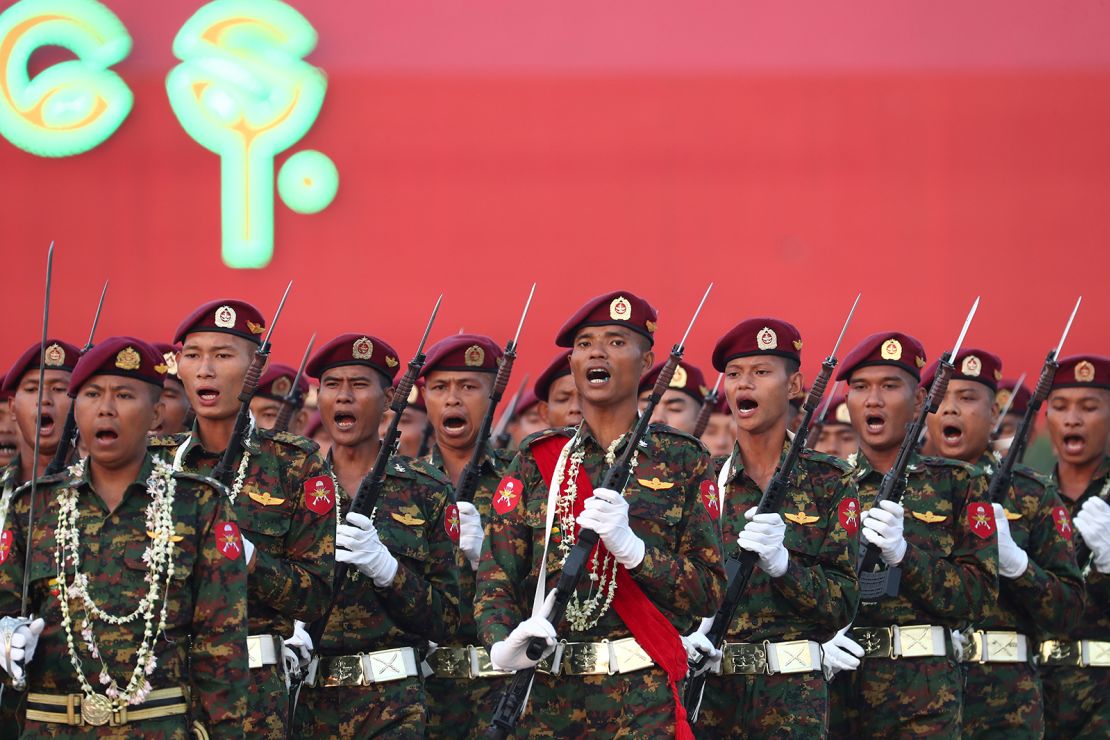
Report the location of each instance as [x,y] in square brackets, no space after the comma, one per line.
[288,438]
[531,439]
[821,457]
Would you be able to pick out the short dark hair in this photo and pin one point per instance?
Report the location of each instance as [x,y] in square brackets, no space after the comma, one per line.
[792,365]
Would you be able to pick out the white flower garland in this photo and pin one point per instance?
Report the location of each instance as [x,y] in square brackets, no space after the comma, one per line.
[240,475]
[6,497]
[159,558]
[584,615]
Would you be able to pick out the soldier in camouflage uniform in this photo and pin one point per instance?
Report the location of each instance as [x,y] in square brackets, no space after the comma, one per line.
[1076,670]
[270,394]
[458,376]
[681,404]
[365,680]
[940,538]
[88,676]
[177,414]
[558,397]
[1040,590]
[805,586]
[620,663]
[1018,396]
[9,432]
[282,494]
[835,435]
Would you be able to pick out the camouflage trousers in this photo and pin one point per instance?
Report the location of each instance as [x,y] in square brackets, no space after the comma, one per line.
[627,705]
[267,703]
[11,711]
[907,698]
[167,728]
[394,709]
[1002,700]
[791,705]
[1076,702]
[461,708]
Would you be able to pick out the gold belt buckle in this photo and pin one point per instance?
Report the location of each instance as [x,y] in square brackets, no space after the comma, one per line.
[1002,647]
[793,656]
[586,658]
[1098,653]
[342,670]
[744,657]
[916,641]
[1060,652]
[875,641]
[385,665]
[630,656]
[485,665]
[450,662]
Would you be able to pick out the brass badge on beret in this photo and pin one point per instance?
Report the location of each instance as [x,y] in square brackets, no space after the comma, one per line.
[678,380]
[620,309]
[767,339]
[997,376]
[362,349]
[797,345]
[650,326]
[474,356]
[1002,397]
[414,395]
[1084,372]
[892,350]
[842,414]
[225,317]
[255,328]
[171,362]
[55,355]
[919,361]
[281,386]
[128,359]
[390,361]
[971,366]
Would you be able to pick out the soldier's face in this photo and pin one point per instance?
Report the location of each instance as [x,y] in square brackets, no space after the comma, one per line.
[457,401]
[411,427]
[838,440]
[678,410]
[175,407]
[720,434]
[212,366]
[1007,430]
[526,424]
[113,416]
[1079,423]
[961,427]
[607,363]
[352,401]
[758,390]
[882,400]
[265,411]
[9,434]
[563,407]
[55,408]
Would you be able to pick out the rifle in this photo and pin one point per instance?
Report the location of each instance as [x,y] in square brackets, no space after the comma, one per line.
[294,398]
[68,440]
[707,407]
[511,703]
[875,578]
[1008,405]
[828,402]
[741,565]
[223,470]
[500,433]
[468,480]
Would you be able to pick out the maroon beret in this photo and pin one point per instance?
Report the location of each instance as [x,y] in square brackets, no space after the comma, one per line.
[619,308]
[1021,395]
[559,367]
[686,378]
[127,357]
[463,353]
[885,348]
[227,316]
[1083,371]
[721,407]
[59,356]
[528,399]
[355,349]
[758,336]
[416,395]
[169,356]
[971,364]
[277,381]
[838,410]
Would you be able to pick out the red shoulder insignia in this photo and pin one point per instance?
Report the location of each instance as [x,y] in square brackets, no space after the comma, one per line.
[319,494]
[228,540]
[981,518]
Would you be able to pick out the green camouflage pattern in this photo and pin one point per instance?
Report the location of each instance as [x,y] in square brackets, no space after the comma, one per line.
[11,702]
[203,649]
[294,549]
[905,698]
[1002,700]
[1076,703]
[681,573]
[421,605]
[792,705]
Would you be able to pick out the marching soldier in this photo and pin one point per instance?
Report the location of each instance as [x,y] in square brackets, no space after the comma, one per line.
[836,436]
[657,568]
[1007,390]
[176,411]
[805,587]
[1040,589]
[402,590]
[682,402]
[9,432]
[122,540]
[719,436]
[458,375]
[558,395]
[1076,671]
[528,418]
[282,495]
[413,427]
[901,676]
[272,389]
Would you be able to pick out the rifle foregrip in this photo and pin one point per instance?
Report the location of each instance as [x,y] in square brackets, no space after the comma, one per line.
[663,382]
[503,372]
[819,384]
[1044,383]
[940,385]
[404,388]
[254,373]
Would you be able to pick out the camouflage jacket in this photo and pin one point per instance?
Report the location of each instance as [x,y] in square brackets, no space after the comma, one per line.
[817,594]
[950,570]
[1095,622]
[494,464]
[290,523]
[206,622]
[413,521]
[1047,599]
[682,571]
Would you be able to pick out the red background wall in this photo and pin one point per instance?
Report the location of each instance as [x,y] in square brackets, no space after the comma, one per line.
[795,152]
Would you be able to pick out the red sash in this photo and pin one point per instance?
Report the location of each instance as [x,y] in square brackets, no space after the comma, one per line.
[656,635]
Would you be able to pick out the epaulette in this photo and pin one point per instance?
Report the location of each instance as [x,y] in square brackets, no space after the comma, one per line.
[418,467]
[46,481]
[531,439]
[948,462]
[1034,475]
[294,440]
[167,440]
[663,429]
[202,479]
[502,457]
[822,457]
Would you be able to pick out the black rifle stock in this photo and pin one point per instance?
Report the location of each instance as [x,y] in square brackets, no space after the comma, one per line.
[1003,476]
[294,399]
[468,479]
[707,407]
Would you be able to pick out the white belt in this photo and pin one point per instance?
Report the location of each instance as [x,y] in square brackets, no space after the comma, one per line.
[795,656]
[362,669]
[996,646]
[263,650]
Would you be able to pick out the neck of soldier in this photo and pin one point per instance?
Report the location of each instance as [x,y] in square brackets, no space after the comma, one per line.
[1074,479]
[881,460]
[761,451]
[610,421]
[27,459]
[215,434]
[351,464]
[111,481]
[455,459]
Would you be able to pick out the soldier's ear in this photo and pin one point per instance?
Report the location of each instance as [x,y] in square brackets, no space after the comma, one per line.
[542,408]
[919,399]
[647,361]
[796,383]
[300,420]
[157,412]
[388,393]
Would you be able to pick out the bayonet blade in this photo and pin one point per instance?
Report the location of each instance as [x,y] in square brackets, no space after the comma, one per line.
[96,318]
[828,402]
[1006,407]
[277,313]
[844,329]
[963,332]
[1067,329]
[527,305]
[682,343]
[717,385]
[304,361]
[428,328]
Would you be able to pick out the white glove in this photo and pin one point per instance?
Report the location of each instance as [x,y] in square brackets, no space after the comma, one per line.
[18,640]
[763,534]
[300,643]
[248,549]
[511,654]
[470,533]
[357,543]
[1093,522]
[1012,560]
[882,527]
[841,653]
[606,512]
[697,645]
